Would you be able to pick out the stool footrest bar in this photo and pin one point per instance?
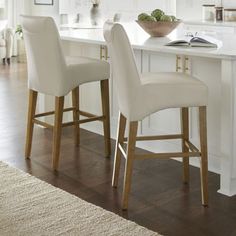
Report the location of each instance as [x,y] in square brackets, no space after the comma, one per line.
[122,151]
[53,112]
[44,124]
[190,146]
[167,155]
[158,137]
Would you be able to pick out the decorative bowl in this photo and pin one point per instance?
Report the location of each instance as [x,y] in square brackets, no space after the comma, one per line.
[158,28]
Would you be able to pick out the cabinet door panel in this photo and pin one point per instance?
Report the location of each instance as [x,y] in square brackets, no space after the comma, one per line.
[209,71]
[166,121]
[162,62]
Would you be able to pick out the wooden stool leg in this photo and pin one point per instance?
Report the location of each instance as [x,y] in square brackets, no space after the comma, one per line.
[30,124]
[204,155]
[119,140]
[75,103]
[133,127]
[185,132]
[106,114]
[59,104]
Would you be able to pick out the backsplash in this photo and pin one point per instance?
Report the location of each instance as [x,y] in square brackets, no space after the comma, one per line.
[127,8]
[192,9]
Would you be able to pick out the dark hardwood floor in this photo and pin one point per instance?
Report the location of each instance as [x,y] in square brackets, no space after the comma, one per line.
[158,200]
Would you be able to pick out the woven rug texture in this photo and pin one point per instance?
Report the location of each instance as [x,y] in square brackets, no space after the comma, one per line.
[29,206]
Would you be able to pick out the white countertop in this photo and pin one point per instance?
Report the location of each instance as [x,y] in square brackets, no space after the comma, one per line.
[211,23]
[81,26]
[140,40]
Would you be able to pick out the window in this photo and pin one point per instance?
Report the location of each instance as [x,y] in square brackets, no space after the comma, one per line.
[2,3]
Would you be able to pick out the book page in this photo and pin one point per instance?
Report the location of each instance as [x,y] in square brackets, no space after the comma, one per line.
[180,42]
[205,41]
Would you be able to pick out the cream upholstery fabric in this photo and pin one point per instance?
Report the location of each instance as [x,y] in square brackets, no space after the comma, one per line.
[92,69]
[6,40]
[9,42]
[3,24]
[2,46]
[142,95]
[49,72]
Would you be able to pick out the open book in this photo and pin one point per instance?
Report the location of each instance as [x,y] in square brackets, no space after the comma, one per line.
[197,41]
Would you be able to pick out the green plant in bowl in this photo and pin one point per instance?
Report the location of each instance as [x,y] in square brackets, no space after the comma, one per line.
[157,13]
[146,17]
[174,18]
[158,24]
[166,18]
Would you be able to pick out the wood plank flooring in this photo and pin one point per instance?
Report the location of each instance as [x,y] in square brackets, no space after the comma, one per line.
[158,201]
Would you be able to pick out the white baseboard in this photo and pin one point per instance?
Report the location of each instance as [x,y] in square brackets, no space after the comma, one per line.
[231,191]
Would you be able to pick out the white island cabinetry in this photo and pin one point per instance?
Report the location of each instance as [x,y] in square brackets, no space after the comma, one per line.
[167,121]
[215,67]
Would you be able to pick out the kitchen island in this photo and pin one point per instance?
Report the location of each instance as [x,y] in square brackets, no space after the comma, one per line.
[216,67]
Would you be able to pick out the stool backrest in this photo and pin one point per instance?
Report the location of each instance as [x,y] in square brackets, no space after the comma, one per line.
[124,68]
[46,62]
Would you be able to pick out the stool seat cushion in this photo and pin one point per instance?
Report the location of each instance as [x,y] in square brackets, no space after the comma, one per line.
[83,70]
[158,91]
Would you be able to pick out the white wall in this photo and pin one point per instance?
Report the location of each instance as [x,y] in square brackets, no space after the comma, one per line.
[109,7]
[2,3]
[192,9]
[42,10]
[75,6]
[186,9]
[129,8]
[139,5]
[14,9]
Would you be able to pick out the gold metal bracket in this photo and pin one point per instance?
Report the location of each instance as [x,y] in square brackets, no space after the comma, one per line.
[178,63]
[104,53]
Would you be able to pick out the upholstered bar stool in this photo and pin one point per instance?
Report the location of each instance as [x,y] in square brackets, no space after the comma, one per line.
[50,73]
[142,95]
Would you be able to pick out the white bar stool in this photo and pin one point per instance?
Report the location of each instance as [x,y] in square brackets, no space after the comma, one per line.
[142,95]
[49,72]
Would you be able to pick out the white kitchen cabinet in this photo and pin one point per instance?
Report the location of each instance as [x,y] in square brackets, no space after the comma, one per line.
[166,121]
[216,67]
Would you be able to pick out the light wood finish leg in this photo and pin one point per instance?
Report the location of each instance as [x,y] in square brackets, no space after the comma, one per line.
[119,140]
[30,124]
[75,103]
[106,114]
[185,132]
[133,127]
[59,104]
[204,154]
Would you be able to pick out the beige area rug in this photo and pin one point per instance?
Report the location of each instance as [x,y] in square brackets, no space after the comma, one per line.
[29,206]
